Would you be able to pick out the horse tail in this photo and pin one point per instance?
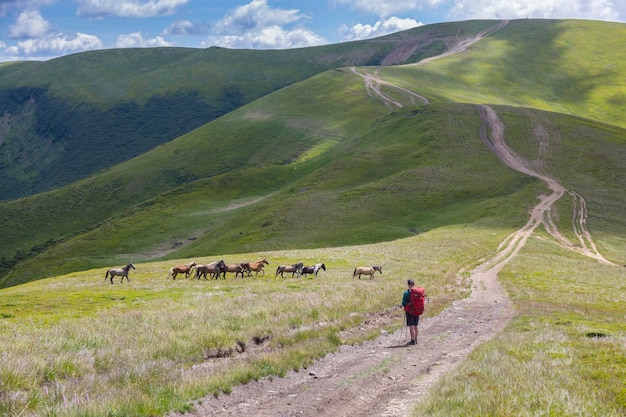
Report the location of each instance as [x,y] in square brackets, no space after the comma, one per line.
[106,275]
[354,273]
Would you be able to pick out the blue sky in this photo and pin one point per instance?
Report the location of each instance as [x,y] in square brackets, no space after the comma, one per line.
[45,29]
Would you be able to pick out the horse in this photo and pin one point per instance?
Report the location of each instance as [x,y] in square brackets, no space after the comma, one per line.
[294,269]
[313,269]
[238,268]
[182,269]
[367,270]
[214,268]
[258,266]
[123,272]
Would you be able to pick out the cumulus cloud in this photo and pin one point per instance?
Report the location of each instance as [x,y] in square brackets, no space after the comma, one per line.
[30,24]
[380,28]
[136,40]
[128,8]
[551,9]
[186,28]
[54,45]
[257,25]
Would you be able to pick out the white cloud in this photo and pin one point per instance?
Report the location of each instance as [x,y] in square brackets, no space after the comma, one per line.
[136,40]
[259,26]
[548,9]
[57,44]
[256,15]
[271,37]
[186,28]
[29,24]
[128,8]
[380,28]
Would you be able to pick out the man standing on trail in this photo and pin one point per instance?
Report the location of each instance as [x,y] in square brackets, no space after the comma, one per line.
[412,315]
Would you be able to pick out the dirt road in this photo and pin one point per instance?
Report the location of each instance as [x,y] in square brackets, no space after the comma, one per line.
[383,377]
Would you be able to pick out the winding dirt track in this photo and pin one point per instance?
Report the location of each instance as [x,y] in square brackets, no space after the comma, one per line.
[383,377]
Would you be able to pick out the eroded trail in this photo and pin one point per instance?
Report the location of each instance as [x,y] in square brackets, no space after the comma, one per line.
[541,213]
[383,377]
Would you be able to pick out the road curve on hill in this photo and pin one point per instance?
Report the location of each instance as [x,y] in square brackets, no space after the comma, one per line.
[384,377]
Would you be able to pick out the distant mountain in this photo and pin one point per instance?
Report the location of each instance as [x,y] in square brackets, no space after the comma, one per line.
[315,147]
[67,118]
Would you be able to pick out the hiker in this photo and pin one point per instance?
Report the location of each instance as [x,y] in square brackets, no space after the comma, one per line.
[413,304]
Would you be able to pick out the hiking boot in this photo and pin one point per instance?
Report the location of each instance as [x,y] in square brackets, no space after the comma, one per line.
[411,342]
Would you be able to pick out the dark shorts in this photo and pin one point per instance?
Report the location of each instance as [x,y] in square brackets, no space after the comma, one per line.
[412,320]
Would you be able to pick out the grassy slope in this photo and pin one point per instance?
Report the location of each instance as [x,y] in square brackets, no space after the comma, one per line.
[571,67]
[417,172]
[68,118]
[325,199]
[94,78]
[274,132]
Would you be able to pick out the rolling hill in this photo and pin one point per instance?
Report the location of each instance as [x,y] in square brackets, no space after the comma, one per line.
[500,165]
[71,117]
[323,162]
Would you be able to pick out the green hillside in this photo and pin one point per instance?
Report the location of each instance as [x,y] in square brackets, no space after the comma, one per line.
[345,167]
[71,117]
[570,67]
[320,152]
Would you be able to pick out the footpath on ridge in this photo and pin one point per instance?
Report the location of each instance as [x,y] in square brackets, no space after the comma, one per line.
[382,377]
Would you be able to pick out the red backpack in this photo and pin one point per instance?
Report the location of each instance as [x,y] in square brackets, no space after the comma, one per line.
[415,306]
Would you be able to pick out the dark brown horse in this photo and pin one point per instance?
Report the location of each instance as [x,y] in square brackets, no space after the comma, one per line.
[258,266]
[182,269]
[123,272]
[214,268]
[238,268]
[293,268]
[367,270]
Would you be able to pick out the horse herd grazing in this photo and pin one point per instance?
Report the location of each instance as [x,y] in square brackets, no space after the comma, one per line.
[219,269]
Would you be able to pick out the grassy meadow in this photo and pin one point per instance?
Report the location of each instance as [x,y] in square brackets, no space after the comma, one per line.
[320,171]
[562,355]
[76,345]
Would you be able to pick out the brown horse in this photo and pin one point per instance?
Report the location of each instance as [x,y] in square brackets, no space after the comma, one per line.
[367,270]
[182,269]
[293,268]
[238,268]
[123,272]
[258,266]
[214,268]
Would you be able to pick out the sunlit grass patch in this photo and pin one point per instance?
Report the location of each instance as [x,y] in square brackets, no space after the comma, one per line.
[563,355]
